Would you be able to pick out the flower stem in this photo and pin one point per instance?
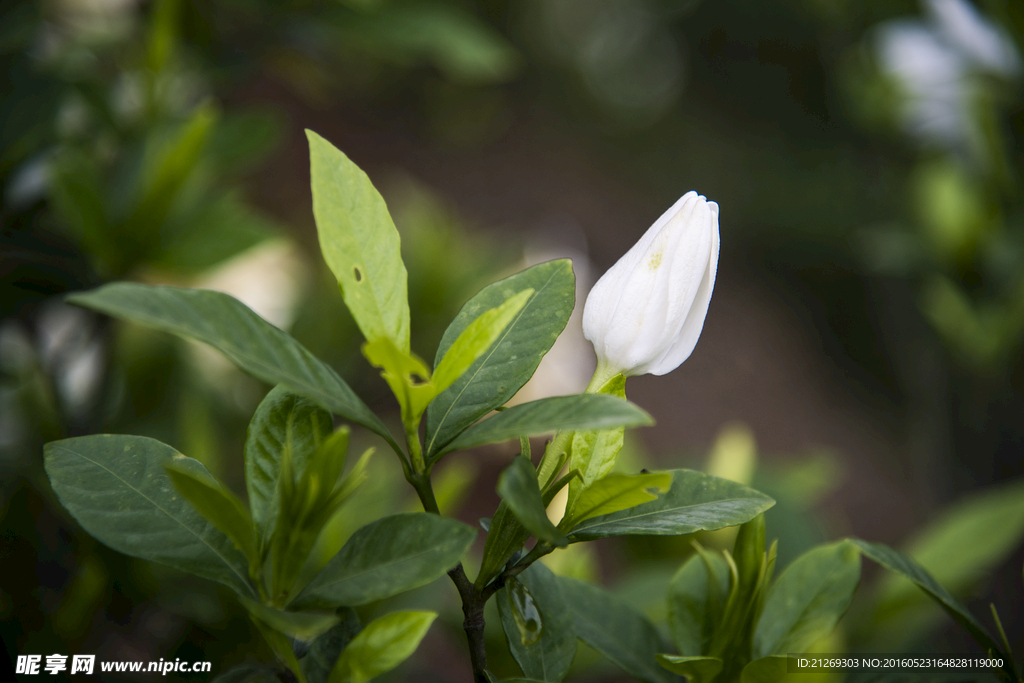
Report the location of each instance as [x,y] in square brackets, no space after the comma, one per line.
[557,451]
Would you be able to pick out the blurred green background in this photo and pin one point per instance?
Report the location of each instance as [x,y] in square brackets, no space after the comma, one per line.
[861,360]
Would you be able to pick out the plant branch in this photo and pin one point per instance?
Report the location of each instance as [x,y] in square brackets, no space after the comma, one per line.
[473,601]
[540,550]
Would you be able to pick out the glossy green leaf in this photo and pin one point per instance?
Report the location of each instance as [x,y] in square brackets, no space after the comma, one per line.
[381,646]
[579,411]
[616,630]
[389,556]
[696,669]
[324,650]
[807,600]
[117,489]
[695,502]
[766,670]
[221,507]
[360,243]
[519,489]
[302,625]
[550,654]
[512,359]
[614,493]
[232,328]
[476,339]
[898,562]
[593,453]
[696,602]
[283,421]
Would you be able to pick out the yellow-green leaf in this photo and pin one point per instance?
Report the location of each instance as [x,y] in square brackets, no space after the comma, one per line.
[407,375]
[474,341]
[616,492]
[381,646]
[360,243]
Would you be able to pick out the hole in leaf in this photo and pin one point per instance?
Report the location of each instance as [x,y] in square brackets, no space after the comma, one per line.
[358,274]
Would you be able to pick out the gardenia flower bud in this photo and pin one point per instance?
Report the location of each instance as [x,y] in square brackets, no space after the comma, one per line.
[645,314]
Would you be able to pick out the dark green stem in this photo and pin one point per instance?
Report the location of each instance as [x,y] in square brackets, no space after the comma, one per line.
[473,600]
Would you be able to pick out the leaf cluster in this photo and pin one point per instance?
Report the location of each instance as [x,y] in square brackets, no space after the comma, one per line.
[730,620]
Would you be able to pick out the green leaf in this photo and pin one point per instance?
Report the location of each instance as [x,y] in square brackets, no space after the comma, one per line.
[360,244]
[281,646]
[549,655]
[579,411]
[381,646]
[505,536]
[169,164]
[807,600]
[243,139]
[213,233]
[593,453]
[77,198]
[301,625]
[476,339]
[512,359]
[749,553]
[991,524]
[901,564]
[615,629]
[117,489]
[696,602]
[324,651]
[518,487]
[163,35]
[248,340]
[466,49]
[283,422]
[526,614]
[214,502]
[695,502]
[389,556]
[307,505]
[765,670]
[696,669]
[407,375]
[614,493]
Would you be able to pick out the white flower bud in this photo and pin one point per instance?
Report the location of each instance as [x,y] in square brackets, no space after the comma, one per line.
[645,314]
